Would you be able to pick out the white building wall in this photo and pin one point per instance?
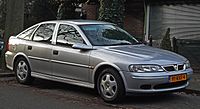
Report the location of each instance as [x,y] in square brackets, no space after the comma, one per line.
[183,20]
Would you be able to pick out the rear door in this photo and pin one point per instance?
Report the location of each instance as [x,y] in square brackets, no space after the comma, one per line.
[40,48]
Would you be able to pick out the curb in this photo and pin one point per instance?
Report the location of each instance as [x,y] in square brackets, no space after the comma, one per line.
[7,75]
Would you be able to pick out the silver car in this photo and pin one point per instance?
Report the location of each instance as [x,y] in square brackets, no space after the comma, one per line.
[97,55]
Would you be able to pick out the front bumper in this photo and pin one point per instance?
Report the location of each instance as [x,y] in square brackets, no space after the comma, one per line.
[154,82]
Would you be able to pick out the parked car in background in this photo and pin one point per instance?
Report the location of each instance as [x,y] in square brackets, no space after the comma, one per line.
[97,55]
[1,44]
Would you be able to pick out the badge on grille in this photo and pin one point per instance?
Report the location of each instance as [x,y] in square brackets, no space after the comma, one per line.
[175,66]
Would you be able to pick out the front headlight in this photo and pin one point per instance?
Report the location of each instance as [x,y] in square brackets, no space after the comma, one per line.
[145,68]
[187,64]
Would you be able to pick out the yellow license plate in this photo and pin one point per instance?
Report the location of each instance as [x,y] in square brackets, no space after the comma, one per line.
[177,78]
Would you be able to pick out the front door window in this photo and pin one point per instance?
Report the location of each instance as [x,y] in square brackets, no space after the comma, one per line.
[68,35]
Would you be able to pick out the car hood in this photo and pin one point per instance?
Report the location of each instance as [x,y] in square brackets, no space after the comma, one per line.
[146,53]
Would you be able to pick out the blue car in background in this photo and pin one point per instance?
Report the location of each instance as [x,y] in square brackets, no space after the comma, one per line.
[1,44]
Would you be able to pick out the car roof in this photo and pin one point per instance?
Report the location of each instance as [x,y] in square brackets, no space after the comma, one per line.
[78,22]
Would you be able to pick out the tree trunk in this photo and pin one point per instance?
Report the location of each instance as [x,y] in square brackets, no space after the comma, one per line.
[14,23]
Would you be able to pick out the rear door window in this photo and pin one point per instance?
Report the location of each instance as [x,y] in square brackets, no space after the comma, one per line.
[44,33]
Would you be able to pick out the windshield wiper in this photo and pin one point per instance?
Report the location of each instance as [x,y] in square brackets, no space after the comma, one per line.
[138,43]
[123,43]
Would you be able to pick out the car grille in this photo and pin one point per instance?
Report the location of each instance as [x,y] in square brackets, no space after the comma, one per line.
[180,67]
[174,67]
[170,85]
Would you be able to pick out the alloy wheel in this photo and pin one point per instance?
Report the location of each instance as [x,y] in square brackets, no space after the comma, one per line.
[108,85]
[22,70]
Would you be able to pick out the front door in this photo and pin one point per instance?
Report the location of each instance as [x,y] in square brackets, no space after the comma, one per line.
[66,61]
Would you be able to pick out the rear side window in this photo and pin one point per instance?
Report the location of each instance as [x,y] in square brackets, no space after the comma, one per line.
[27,34]
[44,33]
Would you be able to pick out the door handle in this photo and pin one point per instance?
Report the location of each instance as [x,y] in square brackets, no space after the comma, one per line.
[29,47]
[55,52]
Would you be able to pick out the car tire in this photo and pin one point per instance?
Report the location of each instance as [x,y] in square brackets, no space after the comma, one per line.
[110,86]
[22,71]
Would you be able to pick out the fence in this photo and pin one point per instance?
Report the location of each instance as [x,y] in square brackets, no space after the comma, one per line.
[191,50]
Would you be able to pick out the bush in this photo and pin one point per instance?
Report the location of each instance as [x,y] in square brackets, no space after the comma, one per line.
[166,42]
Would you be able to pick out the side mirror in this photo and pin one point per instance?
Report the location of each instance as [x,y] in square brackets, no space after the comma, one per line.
[82,46]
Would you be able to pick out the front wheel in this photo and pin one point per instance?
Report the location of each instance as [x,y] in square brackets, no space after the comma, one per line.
[23,71]
[110,86]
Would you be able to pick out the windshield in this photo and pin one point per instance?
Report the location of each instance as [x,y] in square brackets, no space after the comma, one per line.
[107,35]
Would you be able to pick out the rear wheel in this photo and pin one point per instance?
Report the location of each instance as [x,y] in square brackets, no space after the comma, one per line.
[23,71]
[110,86]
